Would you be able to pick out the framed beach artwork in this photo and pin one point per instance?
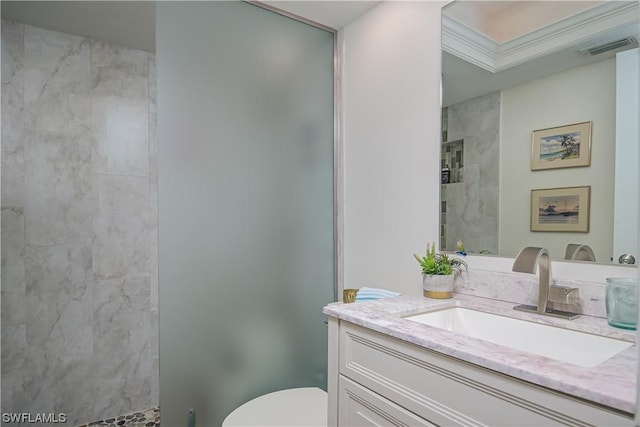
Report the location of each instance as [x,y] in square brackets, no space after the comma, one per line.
[560,209]
[561,147]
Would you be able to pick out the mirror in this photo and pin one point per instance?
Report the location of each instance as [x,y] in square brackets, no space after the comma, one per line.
[510,69]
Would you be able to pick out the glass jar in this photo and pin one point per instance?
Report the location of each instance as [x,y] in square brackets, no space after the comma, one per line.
[622,302]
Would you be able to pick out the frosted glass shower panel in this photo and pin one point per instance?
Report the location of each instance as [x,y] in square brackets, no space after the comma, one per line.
[245,125]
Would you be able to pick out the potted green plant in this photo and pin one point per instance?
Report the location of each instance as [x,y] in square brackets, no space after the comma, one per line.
[438,272]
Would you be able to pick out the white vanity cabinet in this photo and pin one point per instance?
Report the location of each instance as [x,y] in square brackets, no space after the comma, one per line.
[377,380]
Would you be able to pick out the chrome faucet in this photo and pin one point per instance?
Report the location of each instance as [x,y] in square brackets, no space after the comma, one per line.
[528,260]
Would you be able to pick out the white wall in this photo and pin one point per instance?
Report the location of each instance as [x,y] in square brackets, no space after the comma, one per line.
[391,116]
[564,98]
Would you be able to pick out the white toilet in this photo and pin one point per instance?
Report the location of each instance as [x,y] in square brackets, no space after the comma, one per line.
[300,407]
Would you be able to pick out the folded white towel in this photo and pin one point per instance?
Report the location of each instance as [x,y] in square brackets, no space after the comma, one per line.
[369,294]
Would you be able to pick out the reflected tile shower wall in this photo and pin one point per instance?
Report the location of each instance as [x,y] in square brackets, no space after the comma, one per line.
[79,226]
[472,205]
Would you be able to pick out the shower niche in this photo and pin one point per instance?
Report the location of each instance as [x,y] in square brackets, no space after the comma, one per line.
[452,162]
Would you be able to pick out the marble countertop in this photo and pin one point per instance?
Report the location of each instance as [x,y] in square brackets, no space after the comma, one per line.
[611,383]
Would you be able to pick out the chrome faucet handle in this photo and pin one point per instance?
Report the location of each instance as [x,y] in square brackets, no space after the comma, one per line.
[564,295]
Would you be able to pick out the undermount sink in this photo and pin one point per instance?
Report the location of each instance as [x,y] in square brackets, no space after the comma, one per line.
[578,348]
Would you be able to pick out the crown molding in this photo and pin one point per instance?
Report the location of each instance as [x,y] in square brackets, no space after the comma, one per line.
[482,51]
[468,44]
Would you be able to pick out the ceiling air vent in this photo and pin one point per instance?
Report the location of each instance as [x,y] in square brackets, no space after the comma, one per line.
[605,47]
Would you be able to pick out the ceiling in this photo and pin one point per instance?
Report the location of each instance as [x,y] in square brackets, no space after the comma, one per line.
[333,14]
[503,21]
[132,23]
[492,45]
[127,23]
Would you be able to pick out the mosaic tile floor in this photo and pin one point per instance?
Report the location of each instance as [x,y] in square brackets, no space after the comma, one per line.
[148,418]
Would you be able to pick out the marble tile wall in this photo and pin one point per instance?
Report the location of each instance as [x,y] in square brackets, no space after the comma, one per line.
[79,226]
[522,288]
[472,205]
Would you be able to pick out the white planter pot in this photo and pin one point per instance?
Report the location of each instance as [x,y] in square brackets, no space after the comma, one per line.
[438,286]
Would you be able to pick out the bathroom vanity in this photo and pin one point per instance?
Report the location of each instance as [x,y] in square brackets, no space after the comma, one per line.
[385,368]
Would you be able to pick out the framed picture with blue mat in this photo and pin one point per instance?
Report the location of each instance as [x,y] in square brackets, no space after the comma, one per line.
[561,147]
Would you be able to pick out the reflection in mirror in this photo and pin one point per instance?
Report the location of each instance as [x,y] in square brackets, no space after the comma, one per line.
[514,67]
